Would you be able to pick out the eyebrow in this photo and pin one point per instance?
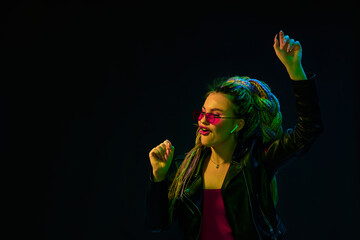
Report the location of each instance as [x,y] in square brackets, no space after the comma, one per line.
[214,109]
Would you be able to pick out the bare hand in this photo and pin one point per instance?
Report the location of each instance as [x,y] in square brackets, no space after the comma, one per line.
[161,158]
[289,52]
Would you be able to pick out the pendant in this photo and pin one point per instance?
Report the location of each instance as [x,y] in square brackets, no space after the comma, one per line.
[217,166]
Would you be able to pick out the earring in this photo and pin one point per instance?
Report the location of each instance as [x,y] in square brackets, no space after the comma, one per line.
[234,128]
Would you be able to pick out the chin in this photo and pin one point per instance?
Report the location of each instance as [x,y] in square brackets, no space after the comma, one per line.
[206,143]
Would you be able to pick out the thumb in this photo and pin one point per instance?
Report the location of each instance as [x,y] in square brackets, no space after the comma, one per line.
[171,153]
[172,150]
[276,43]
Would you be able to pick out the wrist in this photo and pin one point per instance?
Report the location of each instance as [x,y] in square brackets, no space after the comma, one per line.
[158,177]
[296,72]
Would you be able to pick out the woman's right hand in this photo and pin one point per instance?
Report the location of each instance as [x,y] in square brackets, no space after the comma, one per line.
[160,158]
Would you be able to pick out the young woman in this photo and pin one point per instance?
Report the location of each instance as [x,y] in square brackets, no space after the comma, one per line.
[225,187]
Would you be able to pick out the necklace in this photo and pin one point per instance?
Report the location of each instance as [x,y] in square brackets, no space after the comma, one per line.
[217,165]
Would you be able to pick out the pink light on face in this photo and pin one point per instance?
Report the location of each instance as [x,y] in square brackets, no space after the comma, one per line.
[222,107]
[216,121]
[211,117]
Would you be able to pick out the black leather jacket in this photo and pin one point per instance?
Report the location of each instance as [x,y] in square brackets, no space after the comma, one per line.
[249,189]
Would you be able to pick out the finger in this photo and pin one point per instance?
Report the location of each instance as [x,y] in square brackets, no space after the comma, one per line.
[169,152]
[161,152]
[156,153]
[296,46]
[172,151]
[168,144]
[291,42]
[152,152]
[285,43]
[166,150]
[281,37]
[163,148]
[276,42]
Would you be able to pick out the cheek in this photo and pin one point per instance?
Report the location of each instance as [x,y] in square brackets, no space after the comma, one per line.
[217,121]
[221,128]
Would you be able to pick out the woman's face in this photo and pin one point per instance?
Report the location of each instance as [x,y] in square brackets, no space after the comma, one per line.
[219,132]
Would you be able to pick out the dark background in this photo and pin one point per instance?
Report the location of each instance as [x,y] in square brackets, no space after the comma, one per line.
[89,88]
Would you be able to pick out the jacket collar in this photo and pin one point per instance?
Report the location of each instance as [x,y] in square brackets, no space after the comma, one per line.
[240,159]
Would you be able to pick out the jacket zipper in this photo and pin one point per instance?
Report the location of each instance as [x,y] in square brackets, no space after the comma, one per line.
[193,213]
[262,213]
[252,212]
[268,223]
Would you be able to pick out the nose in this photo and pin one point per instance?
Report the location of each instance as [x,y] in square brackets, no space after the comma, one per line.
[203,119]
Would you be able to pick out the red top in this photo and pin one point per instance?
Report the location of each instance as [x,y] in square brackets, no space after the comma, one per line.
[215,225]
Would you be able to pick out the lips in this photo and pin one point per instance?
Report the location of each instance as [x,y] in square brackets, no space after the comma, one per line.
[204,130]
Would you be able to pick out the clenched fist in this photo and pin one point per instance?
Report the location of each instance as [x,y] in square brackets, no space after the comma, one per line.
[160,158]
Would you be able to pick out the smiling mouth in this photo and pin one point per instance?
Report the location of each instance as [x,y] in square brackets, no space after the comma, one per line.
[204,131]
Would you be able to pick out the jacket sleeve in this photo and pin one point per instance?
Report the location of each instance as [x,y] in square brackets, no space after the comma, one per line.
[157,198]
[297,140]
[157,205]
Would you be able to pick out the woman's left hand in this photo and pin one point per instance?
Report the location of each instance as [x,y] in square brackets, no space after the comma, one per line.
[289,52]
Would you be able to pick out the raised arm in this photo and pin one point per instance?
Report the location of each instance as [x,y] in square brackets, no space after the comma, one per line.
[297,140]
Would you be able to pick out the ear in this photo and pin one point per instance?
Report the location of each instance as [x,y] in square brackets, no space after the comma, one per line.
[234,128]
[240,123]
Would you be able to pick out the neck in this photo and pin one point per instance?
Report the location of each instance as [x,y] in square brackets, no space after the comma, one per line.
[223,153]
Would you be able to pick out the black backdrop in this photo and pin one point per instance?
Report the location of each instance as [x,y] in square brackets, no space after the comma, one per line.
[88,88]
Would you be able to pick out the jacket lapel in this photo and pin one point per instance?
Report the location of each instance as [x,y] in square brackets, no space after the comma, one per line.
[234,169]
[241,159]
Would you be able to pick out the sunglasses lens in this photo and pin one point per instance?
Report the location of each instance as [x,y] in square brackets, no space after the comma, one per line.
[210,117]
[198,115]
